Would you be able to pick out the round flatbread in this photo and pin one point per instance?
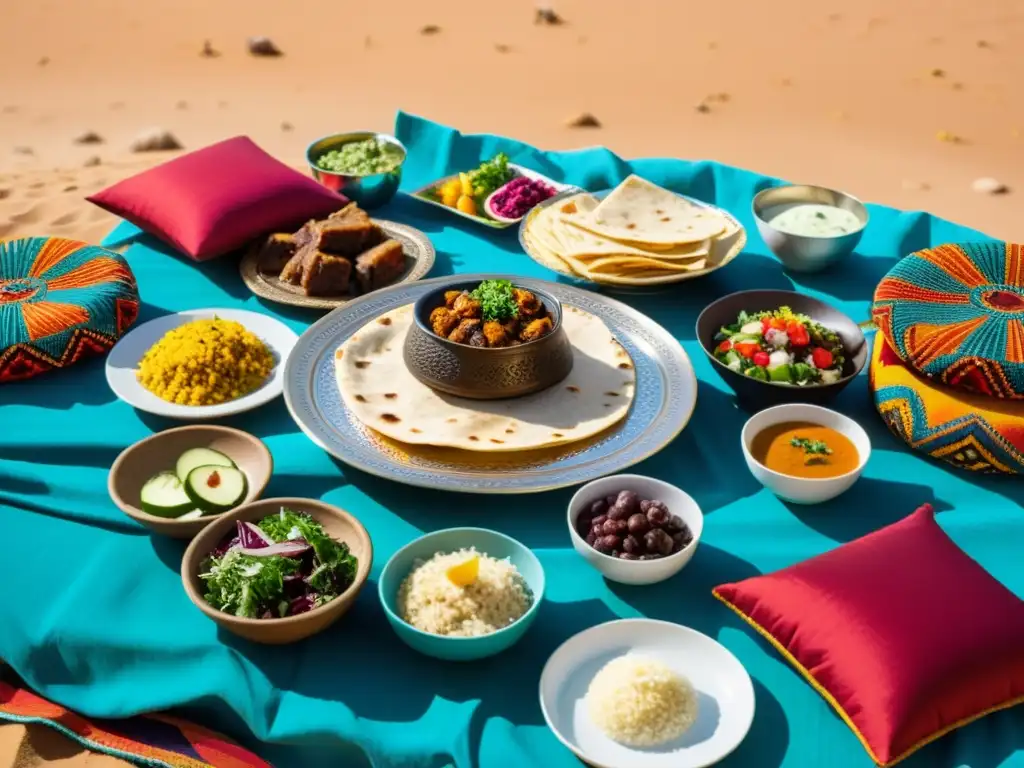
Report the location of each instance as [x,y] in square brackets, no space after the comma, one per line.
[378,389]
[643,213]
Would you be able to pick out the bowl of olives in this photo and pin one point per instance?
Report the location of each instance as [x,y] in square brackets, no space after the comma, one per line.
[635,529]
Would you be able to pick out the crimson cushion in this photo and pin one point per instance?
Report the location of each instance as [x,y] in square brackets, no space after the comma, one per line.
[217,199]
[900,631]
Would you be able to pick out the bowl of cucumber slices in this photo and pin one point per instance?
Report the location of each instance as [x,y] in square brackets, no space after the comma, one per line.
[177,481]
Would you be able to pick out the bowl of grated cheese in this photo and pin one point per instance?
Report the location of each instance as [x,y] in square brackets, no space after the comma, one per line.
[462,593]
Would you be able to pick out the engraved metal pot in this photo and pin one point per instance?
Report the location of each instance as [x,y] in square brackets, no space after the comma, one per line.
[484,373]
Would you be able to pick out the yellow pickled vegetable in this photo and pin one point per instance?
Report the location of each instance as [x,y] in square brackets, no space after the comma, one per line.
[450,196]
[467,184]
[466,205]
[465,573]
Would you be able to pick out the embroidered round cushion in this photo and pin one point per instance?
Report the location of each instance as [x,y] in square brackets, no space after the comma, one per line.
[972,432]
[955,313]
[60,301]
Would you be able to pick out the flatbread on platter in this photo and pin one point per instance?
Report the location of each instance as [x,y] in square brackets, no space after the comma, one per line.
[377,387]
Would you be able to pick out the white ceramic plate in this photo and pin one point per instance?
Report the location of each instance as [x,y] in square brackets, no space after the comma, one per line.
[724,691]
[123,361]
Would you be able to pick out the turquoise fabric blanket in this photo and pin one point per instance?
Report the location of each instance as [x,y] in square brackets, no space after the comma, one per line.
[93,615]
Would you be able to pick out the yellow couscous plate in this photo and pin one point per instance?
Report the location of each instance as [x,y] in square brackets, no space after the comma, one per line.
[201,364]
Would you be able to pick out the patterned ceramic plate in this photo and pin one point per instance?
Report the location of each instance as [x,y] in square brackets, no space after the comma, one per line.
[666,393]
[726,250]
[419,258]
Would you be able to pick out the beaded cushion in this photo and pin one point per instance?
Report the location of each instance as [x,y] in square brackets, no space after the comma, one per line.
[60,300]
[956,314]
[972,432]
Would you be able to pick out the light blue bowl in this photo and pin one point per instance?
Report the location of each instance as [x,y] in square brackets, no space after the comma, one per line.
[492,543]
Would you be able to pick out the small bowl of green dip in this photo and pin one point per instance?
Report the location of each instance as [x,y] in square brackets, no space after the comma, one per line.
[364,166]
[809,228]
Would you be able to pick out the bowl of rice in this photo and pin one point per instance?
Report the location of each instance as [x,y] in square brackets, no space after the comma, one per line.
[462,593]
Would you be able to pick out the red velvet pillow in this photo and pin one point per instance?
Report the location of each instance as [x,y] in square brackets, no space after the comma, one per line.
[217,199]
[900,631]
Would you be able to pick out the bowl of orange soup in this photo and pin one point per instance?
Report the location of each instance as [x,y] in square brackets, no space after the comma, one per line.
[804,453]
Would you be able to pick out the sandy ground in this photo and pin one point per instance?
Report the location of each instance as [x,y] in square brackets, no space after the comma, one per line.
[847,95]
[854,96]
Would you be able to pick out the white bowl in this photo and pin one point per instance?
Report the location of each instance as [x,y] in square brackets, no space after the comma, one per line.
[725,694]
[802,490]
[637,571]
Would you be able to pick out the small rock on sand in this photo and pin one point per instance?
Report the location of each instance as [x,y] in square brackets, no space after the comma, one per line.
[938,73]
[430,29]
[702,107]
[181,105]
[92,161]
[43,61]
[584,120]
[989,186]
[24,151]
[88,137]
[263,46]
[70,188]
[286,126]
[502,48]
[4,194]
[916,186]
[155,140]
[545,15]
[10,109]
[209,51]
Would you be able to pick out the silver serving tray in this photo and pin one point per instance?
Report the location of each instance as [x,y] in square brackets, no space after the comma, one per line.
[666,393]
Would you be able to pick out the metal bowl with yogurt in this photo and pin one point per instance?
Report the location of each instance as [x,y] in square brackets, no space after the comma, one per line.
[809,228]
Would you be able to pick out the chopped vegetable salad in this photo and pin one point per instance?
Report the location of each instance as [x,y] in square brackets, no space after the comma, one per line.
[781,346]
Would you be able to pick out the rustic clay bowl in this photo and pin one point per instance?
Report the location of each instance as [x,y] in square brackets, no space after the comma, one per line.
[159,452]
[483,373]
[340,525]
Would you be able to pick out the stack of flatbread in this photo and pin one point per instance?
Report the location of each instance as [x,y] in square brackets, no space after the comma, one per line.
[639,234]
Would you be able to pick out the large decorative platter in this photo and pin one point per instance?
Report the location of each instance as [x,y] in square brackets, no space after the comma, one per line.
[666,393]
[726,249]
[419,258]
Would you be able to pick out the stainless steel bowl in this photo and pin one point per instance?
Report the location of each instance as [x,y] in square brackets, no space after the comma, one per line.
[485,373]
[370,191]
[805,253]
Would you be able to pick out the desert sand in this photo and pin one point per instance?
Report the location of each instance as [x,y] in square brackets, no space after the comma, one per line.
[904,104]
[898,103]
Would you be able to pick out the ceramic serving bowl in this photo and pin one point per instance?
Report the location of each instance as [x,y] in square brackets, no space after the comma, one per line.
[636,571]
[802,490]
[159,452]
[755,394]
[804,253]
[370,191]
[492,543]
[339,524]
[483,373]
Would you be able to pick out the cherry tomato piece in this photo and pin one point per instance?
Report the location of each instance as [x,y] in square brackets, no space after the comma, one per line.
[761,358]
[822,357]
[725,346]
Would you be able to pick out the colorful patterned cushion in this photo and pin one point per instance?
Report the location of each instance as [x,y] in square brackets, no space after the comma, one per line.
[219,198]
[60,301]
[956,314]
[973,432]
[900,631]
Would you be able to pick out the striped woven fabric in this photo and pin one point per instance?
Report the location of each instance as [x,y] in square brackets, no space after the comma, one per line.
[60,300]
[955,313]
[156,740]
[968,431]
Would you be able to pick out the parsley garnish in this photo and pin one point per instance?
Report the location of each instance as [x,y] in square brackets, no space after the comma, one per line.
[814,450]
[497,300]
